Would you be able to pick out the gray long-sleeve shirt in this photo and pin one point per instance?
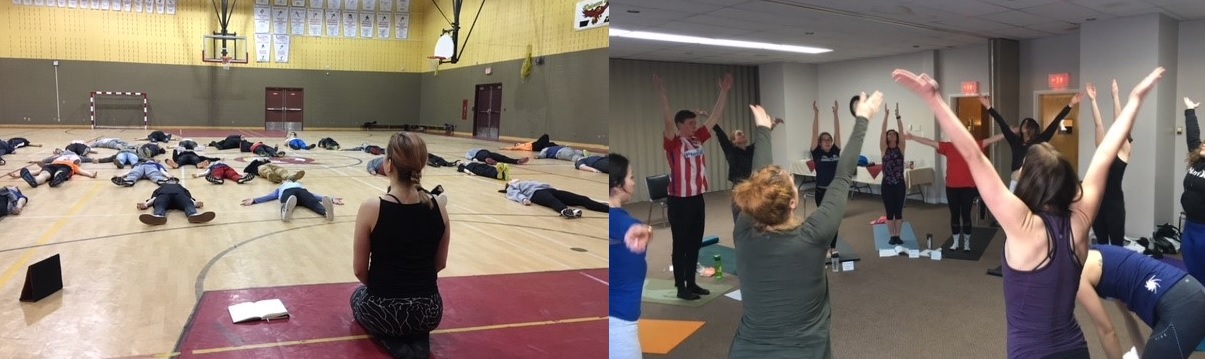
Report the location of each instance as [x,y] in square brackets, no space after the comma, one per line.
[523,190]
[786,310]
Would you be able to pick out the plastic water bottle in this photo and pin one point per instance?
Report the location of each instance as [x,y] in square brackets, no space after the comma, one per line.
[719,267]
[929,241]
[836,264]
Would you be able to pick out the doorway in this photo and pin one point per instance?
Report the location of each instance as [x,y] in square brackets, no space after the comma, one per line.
[487,112]
[1065,140]
[284,109]
[974,118]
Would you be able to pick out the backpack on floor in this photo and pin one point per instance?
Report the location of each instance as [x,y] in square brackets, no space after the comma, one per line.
[328,143]
[436,161]
[1167,238]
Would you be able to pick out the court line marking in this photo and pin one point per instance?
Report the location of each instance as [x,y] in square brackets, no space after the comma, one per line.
[50,233]
[365,336]
[595,278]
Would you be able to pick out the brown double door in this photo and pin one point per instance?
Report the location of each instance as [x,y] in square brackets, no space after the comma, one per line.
[284,109]
[487,113]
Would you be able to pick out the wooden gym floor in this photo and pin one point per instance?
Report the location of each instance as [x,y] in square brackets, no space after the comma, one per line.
[129,289]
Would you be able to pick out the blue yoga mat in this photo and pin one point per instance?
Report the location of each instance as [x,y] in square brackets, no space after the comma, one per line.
[881,237]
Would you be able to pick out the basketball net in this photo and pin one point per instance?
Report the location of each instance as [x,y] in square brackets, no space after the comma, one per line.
[226,62]
[435,61]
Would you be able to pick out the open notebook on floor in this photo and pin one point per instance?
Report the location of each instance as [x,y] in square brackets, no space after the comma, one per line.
[269,309]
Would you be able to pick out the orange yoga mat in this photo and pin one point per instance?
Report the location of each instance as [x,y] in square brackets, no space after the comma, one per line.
[662,336]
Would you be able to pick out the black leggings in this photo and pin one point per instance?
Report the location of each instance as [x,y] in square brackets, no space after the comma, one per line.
[820,198]
[893,200]
[190,158]
[232,141]
[178,201]
[686,221]
[78,148]
[1110,223]
[479,169]
[959,200]
[159,136]
[484,154]
[542,143]
[1078,353]
[559,200]
[304,199]
[18,142]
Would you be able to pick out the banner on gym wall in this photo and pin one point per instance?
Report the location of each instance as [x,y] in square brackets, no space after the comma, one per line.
[591,14]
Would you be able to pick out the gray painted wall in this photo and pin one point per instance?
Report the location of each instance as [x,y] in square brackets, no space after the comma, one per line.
[636,124]
[787,90]
[566,97]
[1128,49]
[203,95]
[1041,57]
[1191,85]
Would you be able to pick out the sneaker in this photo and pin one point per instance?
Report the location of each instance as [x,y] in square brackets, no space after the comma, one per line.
[577,213]
[957,240]
[117,163]
[998,271]
[58,178]
[201,217]
[696,289]
[296,176]
[504,172]
[311,146]
[210,177]
[28,177]
[438,190]
[152,220]
[329,204]
[567,213]
[118,181]
[966,244]
[286,209]
[245,179]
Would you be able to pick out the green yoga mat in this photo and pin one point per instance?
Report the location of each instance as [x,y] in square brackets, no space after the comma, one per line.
[727,257]
[662,291]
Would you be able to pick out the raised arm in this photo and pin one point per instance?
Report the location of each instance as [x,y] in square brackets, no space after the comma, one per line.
[762,155]
[1104,327]
[1100,126]
[823,224]
[1192,129]
[1053,127]
[883,133]
[991,140]
[1094,180]
[908,136]
[1010,211]
[1126,147]
[1013,138]
[725,143]
[717,111]
[815,127]
[899,126]
[837,125]
[1116,100]
[666,115]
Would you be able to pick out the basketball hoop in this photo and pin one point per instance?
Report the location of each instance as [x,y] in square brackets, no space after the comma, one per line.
[435,61]
[226,62]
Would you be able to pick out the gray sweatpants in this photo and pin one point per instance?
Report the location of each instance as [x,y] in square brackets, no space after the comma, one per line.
[145,171]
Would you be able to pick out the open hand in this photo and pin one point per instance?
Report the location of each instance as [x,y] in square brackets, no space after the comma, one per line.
[922,84]
[1115,90]
[835,107]
[1147,84]
[815,108]
[1075,99]
[658,84]
[760,118]
[1191,105]
[867,106]
[987,103]
[726,82]
[1090,89]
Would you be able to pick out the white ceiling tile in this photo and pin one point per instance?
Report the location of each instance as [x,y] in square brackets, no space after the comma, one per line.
[1064,12]
[1055,27]
[1015,18]
[1020,33]
[682,6]
[1019,4]
[970,24]
[1194,11]
[962,7]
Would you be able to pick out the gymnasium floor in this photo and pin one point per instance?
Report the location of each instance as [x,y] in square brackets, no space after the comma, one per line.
[130,289]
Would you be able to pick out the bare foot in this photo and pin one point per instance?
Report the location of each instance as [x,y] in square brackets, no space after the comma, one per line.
[338,201]
[524,160]
[171,163]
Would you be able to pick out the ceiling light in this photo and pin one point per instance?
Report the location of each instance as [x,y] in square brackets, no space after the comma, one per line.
[644,35]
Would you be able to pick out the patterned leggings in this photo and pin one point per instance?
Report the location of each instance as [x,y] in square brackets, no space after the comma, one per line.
[393,317]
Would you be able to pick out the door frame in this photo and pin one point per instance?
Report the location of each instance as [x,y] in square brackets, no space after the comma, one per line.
[1037,110]
[284,125]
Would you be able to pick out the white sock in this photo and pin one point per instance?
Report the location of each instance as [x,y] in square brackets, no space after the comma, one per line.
[957,239]
[966,244]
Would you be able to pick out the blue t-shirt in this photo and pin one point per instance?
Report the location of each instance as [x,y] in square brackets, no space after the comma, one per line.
[1135,279]
[627,269]
[826,164]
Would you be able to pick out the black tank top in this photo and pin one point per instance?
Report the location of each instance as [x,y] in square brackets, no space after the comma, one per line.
[403,244]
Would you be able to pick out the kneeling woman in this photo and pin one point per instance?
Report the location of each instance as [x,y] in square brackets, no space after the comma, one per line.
[786,310]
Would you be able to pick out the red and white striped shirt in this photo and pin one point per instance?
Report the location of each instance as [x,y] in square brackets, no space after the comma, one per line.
[687,164]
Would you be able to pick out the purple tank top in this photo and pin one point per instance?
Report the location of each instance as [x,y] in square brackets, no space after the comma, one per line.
[1040,304]
[893,167]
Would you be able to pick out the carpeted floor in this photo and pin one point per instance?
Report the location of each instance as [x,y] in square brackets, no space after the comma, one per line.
[886,308]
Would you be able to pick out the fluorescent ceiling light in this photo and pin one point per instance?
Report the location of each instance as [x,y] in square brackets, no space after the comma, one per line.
[644,35]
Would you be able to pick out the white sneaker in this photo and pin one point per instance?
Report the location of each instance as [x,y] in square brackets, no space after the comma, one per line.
[286,209]
[957,239]
[329,204]
[966,243]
